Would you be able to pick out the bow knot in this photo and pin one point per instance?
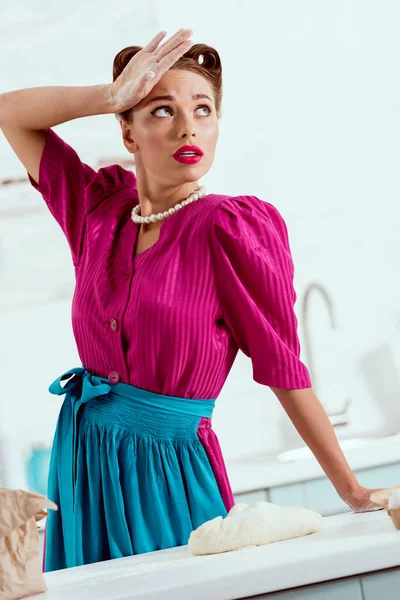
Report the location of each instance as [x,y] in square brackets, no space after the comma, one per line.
[81,387]
[83,383]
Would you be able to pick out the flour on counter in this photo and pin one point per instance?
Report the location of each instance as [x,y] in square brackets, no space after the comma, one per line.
[253,525]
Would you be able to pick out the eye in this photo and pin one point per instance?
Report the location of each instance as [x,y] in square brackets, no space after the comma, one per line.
[157,112]
[207,108]
[161,108]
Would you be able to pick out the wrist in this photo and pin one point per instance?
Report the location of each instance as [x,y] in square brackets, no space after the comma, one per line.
[111,99]
[351,491]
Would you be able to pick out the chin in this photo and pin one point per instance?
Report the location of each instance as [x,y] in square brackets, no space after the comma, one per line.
[193,173]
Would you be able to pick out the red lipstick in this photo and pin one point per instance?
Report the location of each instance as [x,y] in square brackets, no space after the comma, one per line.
[188,155]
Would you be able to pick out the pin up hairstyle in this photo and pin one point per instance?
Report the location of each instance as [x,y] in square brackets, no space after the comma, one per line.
[200,58]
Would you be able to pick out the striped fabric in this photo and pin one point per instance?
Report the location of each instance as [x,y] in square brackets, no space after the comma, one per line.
[172,319]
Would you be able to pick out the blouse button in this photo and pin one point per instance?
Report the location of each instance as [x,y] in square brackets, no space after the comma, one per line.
[114,325]
[113,377]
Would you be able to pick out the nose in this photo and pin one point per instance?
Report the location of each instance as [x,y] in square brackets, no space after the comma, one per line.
[188,135]
[186,127]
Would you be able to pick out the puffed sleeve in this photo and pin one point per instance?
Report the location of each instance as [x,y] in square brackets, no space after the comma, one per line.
[63,178]
[255,275]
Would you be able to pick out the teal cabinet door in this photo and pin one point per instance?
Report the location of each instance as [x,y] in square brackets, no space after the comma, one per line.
[252,497]
[321,496]
[384,476]
[337,590]
[384,585]
[288,495]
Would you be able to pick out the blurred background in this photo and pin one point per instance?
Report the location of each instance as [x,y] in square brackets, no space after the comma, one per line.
[311,123]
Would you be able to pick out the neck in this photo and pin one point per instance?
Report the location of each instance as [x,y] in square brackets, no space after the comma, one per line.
[158,198]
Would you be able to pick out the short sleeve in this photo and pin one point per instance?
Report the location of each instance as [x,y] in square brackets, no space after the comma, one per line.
[255,272]
[63,178]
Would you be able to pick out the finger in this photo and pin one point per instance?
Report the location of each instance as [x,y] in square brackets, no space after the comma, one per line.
[171,58]
[152,45]
[173,43]
[174,37]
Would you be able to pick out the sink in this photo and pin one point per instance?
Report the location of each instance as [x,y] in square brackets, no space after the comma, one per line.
[305,452]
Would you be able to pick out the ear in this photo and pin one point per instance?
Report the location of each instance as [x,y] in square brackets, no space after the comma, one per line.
[127,137]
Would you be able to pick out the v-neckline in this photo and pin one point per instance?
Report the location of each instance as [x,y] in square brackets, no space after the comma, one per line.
[160,233]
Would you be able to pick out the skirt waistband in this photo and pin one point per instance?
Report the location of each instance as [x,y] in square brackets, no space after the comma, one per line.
[88,387]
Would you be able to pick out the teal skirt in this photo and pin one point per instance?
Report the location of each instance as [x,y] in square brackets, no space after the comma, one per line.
[127,472]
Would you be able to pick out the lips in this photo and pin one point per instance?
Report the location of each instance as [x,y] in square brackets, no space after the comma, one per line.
[188,154]
[194,149]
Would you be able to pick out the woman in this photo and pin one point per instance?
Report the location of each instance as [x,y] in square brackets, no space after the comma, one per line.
[170,283]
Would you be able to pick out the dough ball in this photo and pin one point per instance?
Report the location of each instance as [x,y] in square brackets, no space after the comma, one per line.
[253,525]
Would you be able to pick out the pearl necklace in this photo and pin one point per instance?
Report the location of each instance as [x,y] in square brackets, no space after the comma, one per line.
[200,193]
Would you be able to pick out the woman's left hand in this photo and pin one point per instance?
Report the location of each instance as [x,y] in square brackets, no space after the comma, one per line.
[359,500]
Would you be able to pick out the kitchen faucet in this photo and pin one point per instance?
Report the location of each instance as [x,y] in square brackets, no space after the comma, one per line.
[338,418]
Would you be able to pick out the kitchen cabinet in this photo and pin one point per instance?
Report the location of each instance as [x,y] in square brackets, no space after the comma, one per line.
[321,496]
[383,476]
[252,497]
[336,590]
[385,585]
[288,495]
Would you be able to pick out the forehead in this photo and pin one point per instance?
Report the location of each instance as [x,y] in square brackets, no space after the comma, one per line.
[182,84]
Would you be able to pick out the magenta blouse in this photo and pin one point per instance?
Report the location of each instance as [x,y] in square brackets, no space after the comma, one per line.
[172,319]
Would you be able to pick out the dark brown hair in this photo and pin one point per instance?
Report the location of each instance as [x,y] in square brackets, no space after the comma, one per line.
[209,67]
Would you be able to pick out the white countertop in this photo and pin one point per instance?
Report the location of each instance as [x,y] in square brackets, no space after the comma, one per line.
[263,471]
[347,545]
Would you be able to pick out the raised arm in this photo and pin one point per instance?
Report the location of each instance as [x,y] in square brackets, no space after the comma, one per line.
[26,115]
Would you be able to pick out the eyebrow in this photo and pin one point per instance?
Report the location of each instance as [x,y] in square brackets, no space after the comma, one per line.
[173,99]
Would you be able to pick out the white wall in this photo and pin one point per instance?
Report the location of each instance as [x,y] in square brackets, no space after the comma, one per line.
[310,123]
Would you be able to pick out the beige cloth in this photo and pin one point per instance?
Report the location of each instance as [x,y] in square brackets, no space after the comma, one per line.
[382,496]
[20,564]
